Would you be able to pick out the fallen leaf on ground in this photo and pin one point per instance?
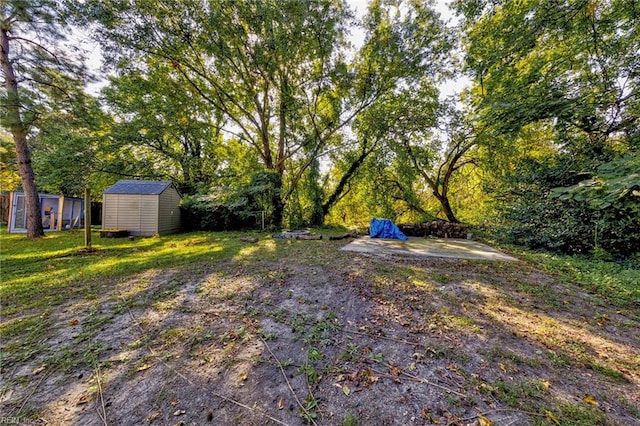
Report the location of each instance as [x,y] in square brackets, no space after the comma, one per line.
[152,416]
[179,412]
[39,369]
[590,399]
[369,377]
[244,376]
[484,421]
[353,376]
[83,399]
[394,370]
[426,415]
[346,390]
[281,403]
[551,417]
[143,367]
[623,370]
[74,322]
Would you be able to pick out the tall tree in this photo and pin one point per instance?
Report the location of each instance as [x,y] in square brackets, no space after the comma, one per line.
[405,54]
[440,156]
[33,68]
[569,68]
[279,71]
[170,127]
[272,68]
[572,62]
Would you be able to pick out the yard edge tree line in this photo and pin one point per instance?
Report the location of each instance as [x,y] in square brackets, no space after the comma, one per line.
[213,95]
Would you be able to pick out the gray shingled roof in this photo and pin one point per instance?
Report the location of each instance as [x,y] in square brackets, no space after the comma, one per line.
[142,187]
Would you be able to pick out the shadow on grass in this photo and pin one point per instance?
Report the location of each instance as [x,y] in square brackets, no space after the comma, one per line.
[518,326]
[176,329]
[47,272]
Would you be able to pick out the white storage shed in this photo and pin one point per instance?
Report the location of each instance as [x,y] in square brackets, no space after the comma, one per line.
[142,207]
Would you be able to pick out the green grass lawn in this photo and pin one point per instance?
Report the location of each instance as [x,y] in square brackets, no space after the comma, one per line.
[616,284]
[44,272]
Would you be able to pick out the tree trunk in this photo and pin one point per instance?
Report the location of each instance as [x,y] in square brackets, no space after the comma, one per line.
[277,205]
[446,207]
[19,132]
[277,201]
[337,193]
[311,186]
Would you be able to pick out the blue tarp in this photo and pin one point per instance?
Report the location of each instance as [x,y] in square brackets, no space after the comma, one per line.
[384,228]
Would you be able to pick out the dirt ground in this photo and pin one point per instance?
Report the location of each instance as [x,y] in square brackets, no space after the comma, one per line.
[329,337]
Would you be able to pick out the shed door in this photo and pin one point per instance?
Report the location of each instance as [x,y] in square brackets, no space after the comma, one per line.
[19,213]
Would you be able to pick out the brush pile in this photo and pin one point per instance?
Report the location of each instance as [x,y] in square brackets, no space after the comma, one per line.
[437,228]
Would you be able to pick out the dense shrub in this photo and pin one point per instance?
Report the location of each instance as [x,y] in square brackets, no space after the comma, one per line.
[546,223]
[201,213]
[236,209]
[612,197]
[554,207]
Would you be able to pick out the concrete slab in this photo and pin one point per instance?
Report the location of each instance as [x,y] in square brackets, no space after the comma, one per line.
[428,247]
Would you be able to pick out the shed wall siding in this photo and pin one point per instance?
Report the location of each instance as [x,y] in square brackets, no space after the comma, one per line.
[169,212]
[109,211]
[136,213]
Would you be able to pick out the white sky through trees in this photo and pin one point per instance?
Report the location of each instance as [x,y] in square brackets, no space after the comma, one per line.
[94,55]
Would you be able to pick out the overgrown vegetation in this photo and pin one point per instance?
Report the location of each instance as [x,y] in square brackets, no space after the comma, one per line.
[552,206]
[562,154]
[541,148]
[247,206]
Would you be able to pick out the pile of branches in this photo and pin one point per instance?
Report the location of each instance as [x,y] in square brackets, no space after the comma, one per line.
[437,228]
